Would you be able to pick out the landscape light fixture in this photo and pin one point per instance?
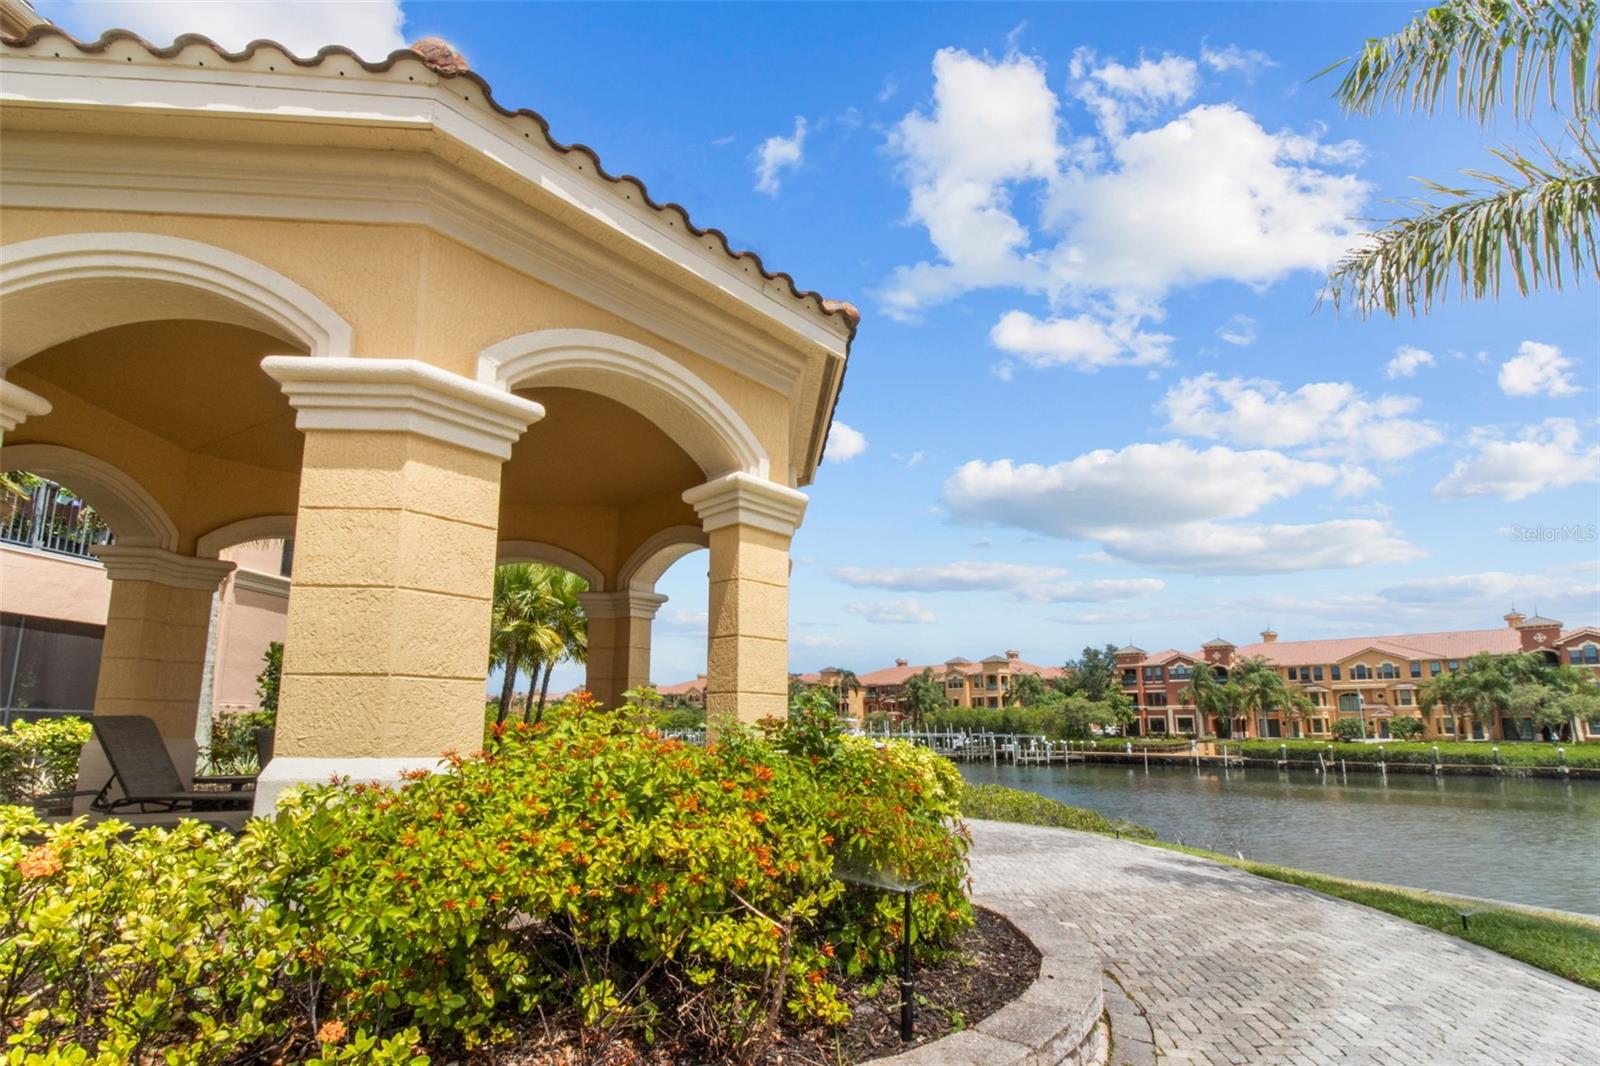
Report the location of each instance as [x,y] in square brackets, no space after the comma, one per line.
[885,881]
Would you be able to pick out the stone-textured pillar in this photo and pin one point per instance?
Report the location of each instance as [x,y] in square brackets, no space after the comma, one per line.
[152,660]
[17,405]
[387,637]
[619,641]
[750,522]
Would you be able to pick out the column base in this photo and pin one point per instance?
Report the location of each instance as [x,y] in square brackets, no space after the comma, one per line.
[286,771]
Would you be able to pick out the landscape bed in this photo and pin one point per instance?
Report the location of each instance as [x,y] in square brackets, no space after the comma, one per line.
[585,877]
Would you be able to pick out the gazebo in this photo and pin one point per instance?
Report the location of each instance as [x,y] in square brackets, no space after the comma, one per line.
[366,306]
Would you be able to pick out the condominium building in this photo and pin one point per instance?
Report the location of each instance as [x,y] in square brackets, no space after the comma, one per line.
[1371,679]
[984,683]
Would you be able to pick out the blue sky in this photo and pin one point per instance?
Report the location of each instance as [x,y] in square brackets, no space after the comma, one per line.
[1092,398]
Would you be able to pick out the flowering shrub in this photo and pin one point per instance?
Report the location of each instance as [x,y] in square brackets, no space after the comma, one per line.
[585,870]
[41,757]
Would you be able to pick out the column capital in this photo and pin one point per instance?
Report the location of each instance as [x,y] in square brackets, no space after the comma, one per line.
[17,405]
[402,396]
[625,603]
[129,562]
[746,500]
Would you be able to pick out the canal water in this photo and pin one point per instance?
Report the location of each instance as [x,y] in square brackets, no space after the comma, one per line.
[1524,840]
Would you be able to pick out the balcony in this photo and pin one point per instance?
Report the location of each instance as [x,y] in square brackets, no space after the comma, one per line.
[44,516]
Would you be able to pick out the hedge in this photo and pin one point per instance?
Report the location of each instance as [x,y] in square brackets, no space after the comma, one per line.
[1480,753]
[997,803]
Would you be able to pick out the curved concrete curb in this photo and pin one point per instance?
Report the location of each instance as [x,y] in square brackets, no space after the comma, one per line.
[1055,1022]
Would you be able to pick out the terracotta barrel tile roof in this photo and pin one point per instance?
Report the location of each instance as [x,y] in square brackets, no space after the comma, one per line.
[440,58]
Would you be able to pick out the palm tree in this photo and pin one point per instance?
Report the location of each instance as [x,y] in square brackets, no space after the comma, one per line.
[1260,688]
[520,634]
[567,620]
[1207,694]
[1539,216]
[924,694]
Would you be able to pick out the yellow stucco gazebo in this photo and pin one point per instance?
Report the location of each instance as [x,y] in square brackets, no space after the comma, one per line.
[364,305]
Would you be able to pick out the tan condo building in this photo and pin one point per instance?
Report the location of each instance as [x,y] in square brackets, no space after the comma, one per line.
[1368,679]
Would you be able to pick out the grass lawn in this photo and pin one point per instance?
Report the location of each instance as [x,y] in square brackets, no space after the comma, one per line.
[1481,753]
[1561,944]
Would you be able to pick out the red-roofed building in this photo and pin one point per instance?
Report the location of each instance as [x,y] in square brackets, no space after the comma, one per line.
[1373,678]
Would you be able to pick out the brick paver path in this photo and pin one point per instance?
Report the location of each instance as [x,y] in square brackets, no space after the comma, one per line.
[1230,968]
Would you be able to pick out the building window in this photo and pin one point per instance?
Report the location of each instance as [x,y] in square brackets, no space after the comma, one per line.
[1359,672]
[1588,655]
[1405,697]
[1179,673]
[1416,668]
[1389,672]
[1335,670]
[1448,725]
[1155,699]
[1433,668]
[1185,725]
[1455,664]
[1349,701]
[1316,673]
[1319,725]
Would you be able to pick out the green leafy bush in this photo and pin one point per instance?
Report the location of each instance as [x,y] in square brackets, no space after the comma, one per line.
[1349,729]
[233,742]
[1406,727]
[998,803]
[584,868]
[37,758]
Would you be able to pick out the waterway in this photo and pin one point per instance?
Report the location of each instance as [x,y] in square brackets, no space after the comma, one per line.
[1523,840]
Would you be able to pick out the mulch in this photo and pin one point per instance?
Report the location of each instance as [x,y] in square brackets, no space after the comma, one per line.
[989,966]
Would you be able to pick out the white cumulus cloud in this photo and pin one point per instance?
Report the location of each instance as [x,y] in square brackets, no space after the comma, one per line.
[1537,370]
[1081,341]
[1329,419]
[777,154]
[1407,361]
[845,442]
[893,612]
[1103,590]
[1173,506]
[1546,455]
[370,28]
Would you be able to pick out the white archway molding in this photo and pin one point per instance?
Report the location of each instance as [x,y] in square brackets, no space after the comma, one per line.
[244,531]
[534,551]
[652,558]
[141,277]
[680,403]
[133,514]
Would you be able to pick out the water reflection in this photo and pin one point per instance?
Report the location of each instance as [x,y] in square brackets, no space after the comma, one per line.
[1528,840]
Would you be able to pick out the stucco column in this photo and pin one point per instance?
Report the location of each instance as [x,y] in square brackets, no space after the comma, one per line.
[153,657]
[619,641]
[750,522]
[17,405]
[387,636]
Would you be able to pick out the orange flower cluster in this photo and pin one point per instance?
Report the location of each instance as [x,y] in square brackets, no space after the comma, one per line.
[42,861]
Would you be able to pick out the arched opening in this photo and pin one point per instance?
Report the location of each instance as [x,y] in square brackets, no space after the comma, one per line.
[686,408]
[111,279]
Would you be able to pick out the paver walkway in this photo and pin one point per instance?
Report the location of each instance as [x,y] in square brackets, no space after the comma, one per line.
[1231,968]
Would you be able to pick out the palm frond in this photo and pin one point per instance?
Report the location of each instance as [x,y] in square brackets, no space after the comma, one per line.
[1538,222]
[1492,52]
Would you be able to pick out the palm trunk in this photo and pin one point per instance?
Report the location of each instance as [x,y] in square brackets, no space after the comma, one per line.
[527,703]
[544,690]
[508,685]
[533,682]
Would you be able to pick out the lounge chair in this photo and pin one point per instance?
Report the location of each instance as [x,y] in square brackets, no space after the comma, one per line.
[142,768]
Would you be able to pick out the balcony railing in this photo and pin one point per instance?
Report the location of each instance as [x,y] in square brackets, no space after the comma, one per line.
[50,518]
